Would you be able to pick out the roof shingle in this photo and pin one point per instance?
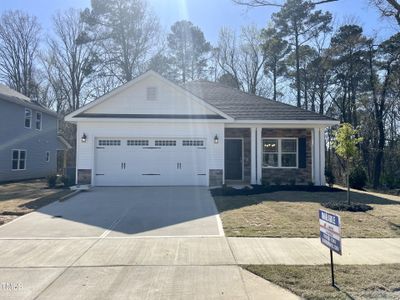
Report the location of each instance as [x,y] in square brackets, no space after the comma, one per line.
[245,106]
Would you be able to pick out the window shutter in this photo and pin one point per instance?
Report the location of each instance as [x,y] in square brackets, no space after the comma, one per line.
[302,153]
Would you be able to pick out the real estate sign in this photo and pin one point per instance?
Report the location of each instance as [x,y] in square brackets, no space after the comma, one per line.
[330,231]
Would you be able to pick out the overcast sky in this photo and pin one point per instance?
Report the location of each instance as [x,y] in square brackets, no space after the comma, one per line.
[211,15]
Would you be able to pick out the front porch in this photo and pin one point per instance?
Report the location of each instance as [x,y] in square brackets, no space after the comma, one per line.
[269,155]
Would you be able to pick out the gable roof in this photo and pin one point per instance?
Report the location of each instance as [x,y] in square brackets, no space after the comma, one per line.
[80,113]
[245,106]
[13,96]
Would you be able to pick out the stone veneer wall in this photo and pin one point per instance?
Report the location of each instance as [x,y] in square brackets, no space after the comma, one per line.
[246,135]
[301,175]
[215,177]
[84,176]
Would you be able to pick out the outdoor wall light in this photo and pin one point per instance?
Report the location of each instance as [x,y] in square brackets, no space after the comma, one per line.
[84,138]
[216,139]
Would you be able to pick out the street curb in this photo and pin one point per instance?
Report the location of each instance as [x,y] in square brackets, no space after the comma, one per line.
[66,197]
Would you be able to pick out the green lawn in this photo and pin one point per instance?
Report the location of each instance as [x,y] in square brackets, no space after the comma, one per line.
[295,214]
[353,281]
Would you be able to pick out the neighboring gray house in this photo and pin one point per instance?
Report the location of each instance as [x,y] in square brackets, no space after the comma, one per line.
[28,138]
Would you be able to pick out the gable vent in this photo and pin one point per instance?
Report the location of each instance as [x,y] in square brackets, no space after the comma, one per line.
[151,93]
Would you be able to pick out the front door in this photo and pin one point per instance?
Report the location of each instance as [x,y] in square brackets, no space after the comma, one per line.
[233,159]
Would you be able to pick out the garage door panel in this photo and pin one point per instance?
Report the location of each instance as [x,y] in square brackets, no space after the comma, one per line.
[148,161]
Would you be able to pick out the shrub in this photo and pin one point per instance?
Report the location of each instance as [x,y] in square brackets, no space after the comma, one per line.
[392,181]
[311,183]
[342,206]
[358,178]
[67,181]
[51,181]
[277,181]
[330,178]
[265,183]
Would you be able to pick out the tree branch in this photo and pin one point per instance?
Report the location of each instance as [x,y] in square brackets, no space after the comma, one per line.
[260,3]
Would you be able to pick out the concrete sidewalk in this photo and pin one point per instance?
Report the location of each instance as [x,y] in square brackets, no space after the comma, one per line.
[302,251]
[129,268]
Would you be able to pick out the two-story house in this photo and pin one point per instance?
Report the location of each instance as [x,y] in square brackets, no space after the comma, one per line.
[28,138]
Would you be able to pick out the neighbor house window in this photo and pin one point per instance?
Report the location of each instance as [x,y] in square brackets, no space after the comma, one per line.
[28,118]
[39,121]
[280,153]
[47,157]
[19,159]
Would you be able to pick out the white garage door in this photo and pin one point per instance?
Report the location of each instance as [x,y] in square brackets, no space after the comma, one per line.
[149,161]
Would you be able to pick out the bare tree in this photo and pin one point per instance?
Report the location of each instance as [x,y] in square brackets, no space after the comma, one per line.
[227,53]
[69,64]
[252,60]
[243,60]
[258,3]
[388,8]
[127,31]
[19,42]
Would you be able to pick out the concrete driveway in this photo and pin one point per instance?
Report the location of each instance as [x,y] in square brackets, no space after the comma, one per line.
[126,211]
[125,243]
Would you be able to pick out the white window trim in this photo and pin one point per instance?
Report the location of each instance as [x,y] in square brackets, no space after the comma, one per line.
[280,152]
[41,120]
[30,118]
[47,153]
[12,158]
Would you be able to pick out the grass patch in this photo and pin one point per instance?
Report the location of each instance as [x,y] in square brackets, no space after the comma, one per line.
[295,214]
[355,281]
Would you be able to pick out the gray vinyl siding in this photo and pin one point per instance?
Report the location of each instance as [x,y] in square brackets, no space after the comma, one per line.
[14,135]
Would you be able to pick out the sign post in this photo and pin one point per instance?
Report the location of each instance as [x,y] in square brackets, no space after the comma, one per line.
[330,234]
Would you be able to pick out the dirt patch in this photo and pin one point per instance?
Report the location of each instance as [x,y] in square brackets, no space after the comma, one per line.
[20,198]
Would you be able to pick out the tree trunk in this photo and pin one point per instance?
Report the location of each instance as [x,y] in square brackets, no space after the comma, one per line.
[348,185]
[274,84]
[379,155]
[298,87]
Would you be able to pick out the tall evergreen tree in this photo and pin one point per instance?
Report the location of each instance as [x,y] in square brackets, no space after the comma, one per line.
[298,22]
[275,50]
[188,51]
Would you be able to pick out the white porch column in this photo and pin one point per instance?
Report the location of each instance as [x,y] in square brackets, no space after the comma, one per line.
[259,154]
[316,147]
[322,155]
[253,158]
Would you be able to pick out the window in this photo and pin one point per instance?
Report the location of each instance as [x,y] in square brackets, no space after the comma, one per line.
[280,153]
[137,142]
[28,118]
[39,121]
[18,159]
[165,143]
[47,156]
[151,93]
[109,143]
[270,151]
[192,143]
